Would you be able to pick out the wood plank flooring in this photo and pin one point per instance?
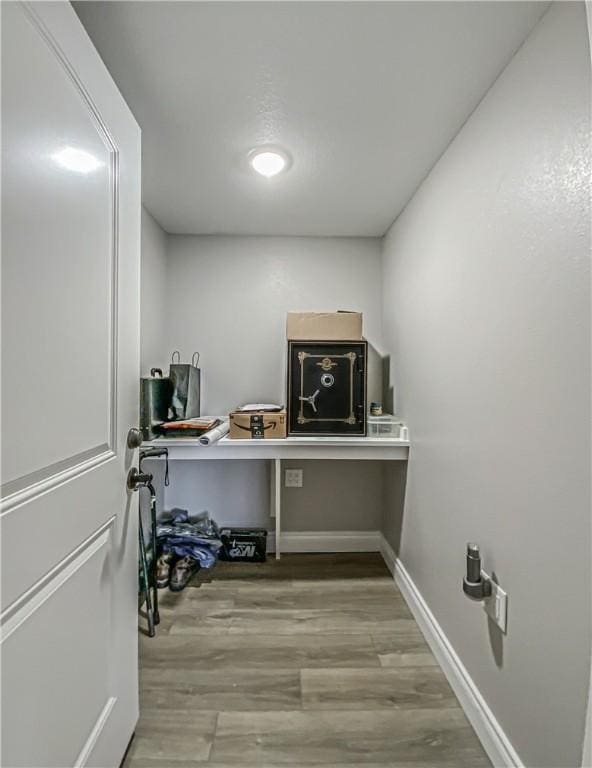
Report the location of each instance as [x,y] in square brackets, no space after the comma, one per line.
[313,661]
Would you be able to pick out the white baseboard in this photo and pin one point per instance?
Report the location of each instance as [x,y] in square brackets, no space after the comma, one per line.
[490,733]
[388,554]
[326,541]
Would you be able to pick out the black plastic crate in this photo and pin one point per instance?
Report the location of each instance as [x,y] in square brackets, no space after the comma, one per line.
[244,544]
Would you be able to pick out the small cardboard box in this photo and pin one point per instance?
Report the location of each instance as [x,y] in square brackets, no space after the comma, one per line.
[258,425]
[324,326]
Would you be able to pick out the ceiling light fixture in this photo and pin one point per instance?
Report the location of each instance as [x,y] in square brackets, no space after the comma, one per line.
[268,162]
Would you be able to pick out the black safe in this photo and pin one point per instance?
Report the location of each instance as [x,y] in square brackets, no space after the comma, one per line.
[327,387]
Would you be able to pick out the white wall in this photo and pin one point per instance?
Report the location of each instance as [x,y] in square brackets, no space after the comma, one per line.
[153,295]
[227,298]
[487,315]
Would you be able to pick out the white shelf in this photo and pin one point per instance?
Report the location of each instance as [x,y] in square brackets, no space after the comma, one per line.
[354,448]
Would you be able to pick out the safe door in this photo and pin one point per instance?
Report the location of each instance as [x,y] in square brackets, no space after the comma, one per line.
[327,388]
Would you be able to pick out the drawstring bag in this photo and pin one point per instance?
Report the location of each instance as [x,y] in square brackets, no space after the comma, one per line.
[185,378]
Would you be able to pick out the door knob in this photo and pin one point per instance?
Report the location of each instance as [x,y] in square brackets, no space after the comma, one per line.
[137,479]
[134,438]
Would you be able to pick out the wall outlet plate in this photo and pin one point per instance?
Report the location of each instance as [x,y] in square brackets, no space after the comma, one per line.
[293,478]
[496,606]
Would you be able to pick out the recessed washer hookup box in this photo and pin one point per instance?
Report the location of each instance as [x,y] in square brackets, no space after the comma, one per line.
[324,326]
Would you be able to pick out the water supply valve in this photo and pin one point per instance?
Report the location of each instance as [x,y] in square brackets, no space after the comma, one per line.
[476,584]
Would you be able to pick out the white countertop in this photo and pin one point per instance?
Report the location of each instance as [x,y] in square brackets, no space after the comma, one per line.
[336,447]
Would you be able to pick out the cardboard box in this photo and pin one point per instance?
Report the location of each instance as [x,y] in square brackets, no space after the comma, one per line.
[324,326]
[258,425]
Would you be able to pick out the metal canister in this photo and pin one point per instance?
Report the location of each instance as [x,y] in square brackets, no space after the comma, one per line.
[155,401]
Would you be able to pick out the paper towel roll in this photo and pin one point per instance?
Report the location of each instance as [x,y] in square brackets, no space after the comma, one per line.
[215,434]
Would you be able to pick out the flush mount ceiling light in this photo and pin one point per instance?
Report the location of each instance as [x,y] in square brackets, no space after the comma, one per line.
[268,161]
[76,160]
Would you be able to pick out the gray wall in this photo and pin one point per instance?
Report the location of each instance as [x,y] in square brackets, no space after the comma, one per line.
[487,315]
[153,352]
[153,295]
[587,754]
[228,298]
[336,496]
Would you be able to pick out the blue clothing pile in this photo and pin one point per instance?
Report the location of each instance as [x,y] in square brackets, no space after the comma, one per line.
[196,536]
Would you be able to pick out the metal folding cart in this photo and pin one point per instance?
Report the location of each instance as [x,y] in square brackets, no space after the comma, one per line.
[148,590]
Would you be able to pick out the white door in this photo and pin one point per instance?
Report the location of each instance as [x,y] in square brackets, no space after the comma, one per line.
[70,367]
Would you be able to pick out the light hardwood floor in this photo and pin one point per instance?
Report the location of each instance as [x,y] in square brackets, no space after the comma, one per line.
[312,661]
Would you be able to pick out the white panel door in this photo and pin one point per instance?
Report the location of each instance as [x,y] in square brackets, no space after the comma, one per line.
[70,367]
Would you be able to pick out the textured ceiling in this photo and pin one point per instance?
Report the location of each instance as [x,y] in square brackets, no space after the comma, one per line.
[364,96]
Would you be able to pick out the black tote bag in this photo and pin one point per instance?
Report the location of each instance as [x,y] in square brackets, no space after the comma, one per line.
[186,379]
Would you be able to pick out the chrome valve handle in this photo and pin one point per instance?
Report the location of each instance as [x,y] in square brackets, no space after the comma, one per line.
[311,400]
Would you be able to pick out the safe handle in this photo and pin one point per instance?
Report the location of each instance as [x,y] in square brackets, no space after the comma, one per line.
[311,400]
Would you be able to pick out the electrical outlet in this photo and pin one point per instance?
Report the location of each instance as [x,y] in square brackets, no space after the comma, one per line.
[496,606]
[293,478]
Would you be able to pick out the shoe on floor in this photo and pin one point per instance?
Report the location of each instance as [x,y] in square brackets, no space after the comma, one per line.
[181,572]
[163,569]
